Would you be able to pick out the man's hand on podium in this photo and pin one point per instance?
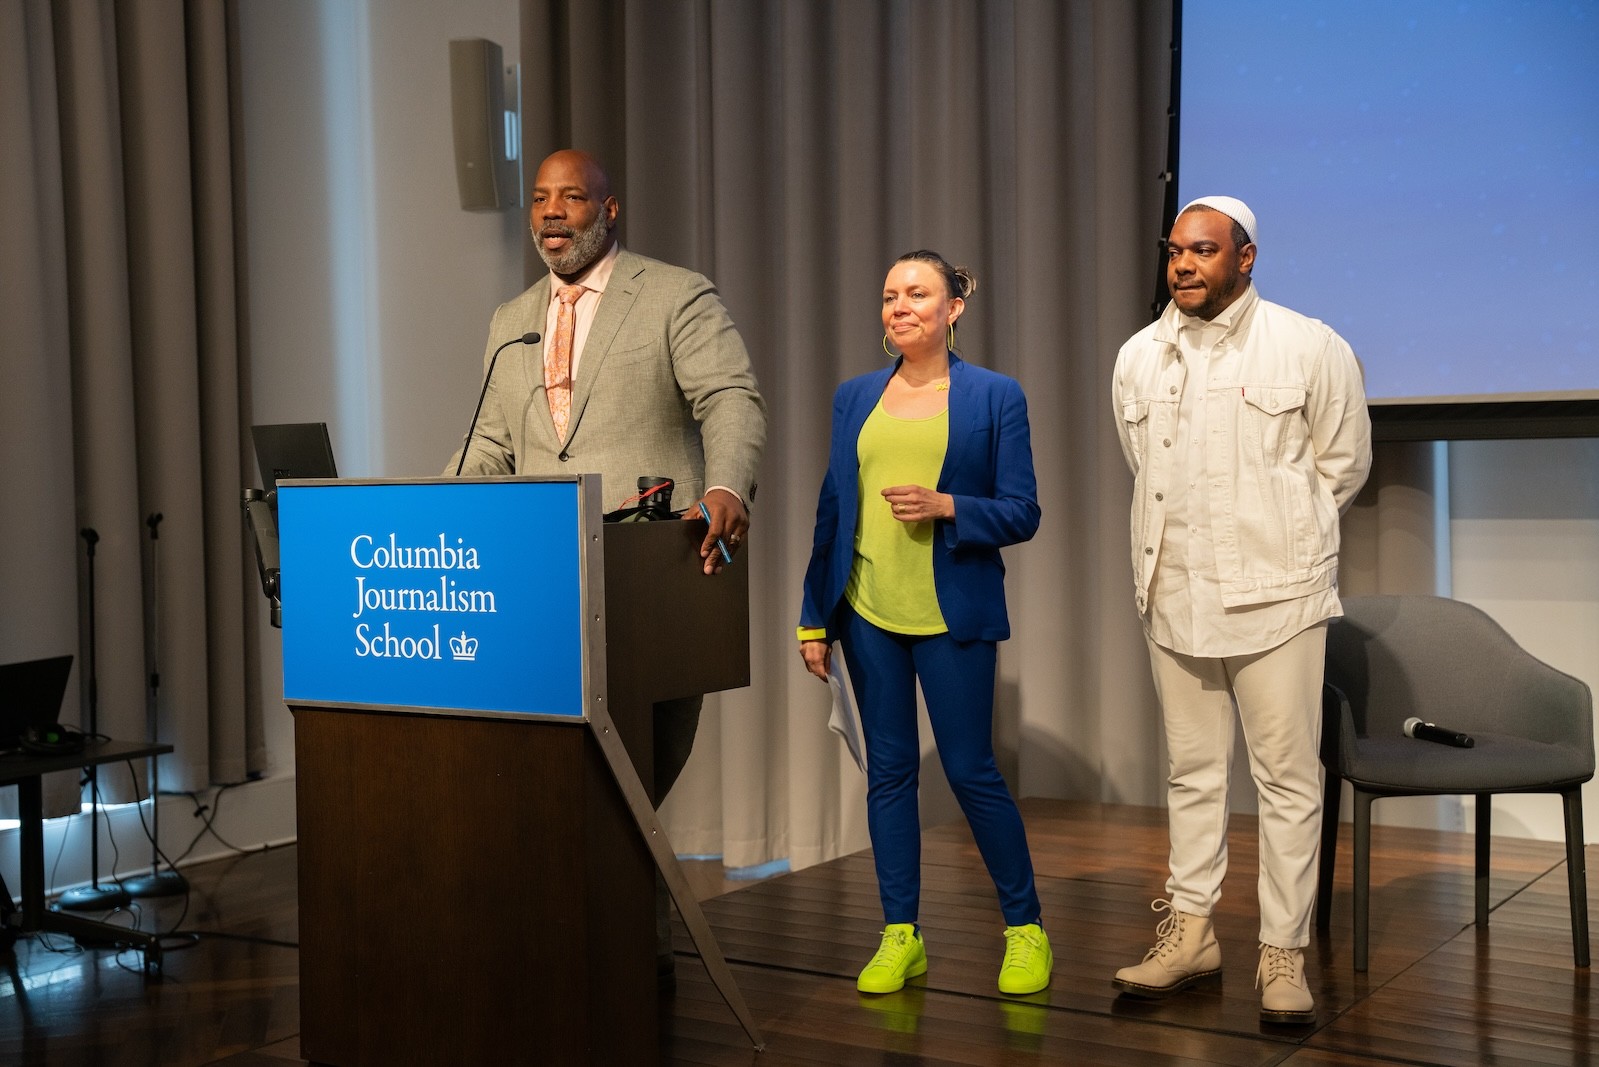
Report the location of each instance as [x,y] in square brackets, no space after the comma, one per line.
[727,522]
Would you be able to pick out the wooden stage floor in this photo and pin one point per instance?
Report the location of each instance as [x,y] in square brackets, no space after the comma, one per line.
[1439,991]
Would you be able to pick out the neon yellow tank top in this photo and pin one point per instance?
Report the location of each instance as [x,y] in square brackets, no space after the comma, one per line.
[891,580]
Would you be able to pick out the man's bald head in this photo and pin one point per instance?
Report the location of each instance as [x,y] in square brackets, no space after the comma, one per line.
[573,215]
[599,182]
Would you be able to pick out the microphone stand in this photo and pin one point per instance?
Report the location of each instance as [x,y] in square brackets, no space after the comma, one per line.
[157,883]
[488,376]
[94,896]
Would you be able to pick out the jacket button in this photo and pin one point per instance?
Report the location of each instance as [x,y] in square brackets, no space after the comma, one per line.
[1160,496]
[1167,442]
[563,457]
[1172,389]
[1148,551]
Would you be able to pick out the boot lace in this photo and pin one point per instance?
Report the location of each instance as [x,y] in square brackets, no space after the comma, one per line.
[1168,933]
[1275,963]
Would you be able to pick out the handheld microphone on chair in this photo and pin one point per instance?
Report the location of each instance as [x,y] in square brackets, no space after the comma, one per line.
[1426,731]
[525,339]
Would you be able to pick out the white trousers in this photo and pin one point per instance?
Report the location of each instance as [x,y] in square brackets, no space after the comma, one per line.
[1277,694]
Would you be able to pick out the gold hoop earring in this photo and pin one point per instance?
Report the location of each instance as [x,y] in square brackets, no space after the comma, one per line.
[952,337]
[886,351]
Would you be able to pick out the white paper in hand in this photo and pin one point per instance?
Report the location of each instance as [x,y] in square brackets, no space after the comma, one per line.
[844,721]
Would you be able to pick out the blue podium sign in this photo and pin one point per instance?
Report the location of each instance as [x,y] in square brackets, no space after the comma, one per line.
[454,594]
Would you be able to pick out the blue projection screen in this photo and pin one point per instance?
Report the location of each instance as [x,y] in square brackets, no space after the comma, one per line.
[1425,177]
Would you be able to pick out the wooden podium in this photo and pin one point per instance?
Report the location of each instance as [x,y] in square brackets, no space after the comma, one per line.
[476,885]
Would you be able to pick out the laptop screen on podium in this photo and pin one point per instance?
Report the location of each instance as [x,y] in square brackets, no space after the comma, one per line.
[293,450]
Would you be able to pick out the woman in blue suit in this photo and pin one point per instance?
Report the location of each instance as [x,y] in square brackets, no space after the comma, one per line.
[909,580]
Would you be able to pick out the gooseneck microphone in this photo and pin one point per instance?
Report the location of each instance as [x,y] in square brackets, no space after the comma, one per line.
[525,339]
[1426,731]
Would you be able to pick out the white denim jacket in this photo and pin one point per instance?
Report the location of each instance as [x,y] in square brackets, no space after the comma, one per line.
[1289,447]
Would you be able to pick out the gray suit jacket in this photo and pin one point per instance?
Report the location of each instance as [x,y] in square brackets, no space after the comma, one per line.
[664,388]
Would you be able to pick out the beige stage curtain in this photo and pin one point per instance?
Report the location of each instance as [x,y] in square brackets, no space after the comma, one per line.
[120,390]
[790,151]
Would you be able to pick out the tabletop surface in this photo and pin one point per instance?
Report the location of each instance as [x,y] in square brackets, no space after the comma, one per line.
[17,766]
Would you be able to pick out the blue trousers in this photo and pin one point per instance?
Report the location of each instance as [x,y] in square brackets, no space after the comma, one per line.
[958,684]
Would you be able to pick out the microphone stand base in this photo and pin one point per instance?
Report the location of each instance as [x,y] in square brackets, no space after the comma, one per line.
[167,883]
[93,898]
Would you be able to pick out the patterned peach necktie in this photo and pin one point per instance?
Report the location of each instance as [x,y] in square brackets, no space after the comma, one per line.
[558,359]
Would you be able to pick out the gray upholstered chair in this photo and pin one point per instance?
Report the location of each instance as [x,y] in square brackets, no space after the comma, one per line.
[1392,658]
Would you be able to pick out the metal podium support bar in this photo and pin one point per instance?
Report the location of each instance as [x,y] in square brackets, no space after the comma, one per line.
[649,824]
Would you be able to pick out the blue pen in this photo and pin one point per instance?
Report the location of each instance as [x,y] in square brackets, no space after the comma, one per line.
[727,557]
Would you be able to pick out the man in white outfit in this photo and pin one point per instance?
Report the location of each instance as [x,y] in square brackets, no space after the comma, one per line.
[1246,428]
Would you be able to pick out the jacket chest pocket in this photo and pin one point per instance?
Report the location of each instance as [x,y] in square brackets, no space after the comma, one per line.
[1273,418]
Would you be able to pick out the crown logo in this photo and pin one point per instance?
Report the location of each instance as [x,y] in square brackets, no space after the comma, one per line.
[463,647]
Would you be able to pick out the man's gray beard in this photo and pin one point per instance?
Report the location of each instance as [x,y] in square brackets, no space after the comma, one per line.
[585,248]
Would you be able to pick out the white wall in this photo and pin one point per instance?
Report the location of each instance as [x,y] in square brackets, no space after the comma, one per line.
[370,289]
[1524,536]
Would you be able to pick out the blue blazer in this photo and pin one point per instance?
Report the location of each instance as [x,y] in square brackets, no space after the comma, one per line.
[988,469]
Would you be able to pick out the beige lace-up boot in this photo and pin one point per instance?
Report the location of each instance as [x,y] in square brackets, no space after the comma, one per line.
[1185,952]
[1284,994]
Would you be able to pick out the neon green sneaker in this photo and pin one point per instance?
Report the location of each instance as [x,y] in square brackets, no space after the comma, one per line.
[899,957]
[1027,960]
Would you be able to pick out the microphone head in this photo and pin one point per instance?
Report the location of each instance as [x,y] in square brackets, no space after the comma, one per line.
[530,338]
[1411,724]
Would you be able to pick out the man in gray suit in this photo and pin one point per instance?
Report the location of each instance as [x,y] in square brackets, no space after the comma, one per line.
[639,372]
[658,381]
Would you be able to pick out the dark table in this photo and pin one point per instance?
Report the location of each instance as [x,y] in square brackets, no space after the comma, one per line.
[24,770]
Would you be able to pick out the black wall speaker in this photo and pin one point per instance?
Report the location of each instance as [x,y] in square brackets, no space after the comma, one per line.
[487,170]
